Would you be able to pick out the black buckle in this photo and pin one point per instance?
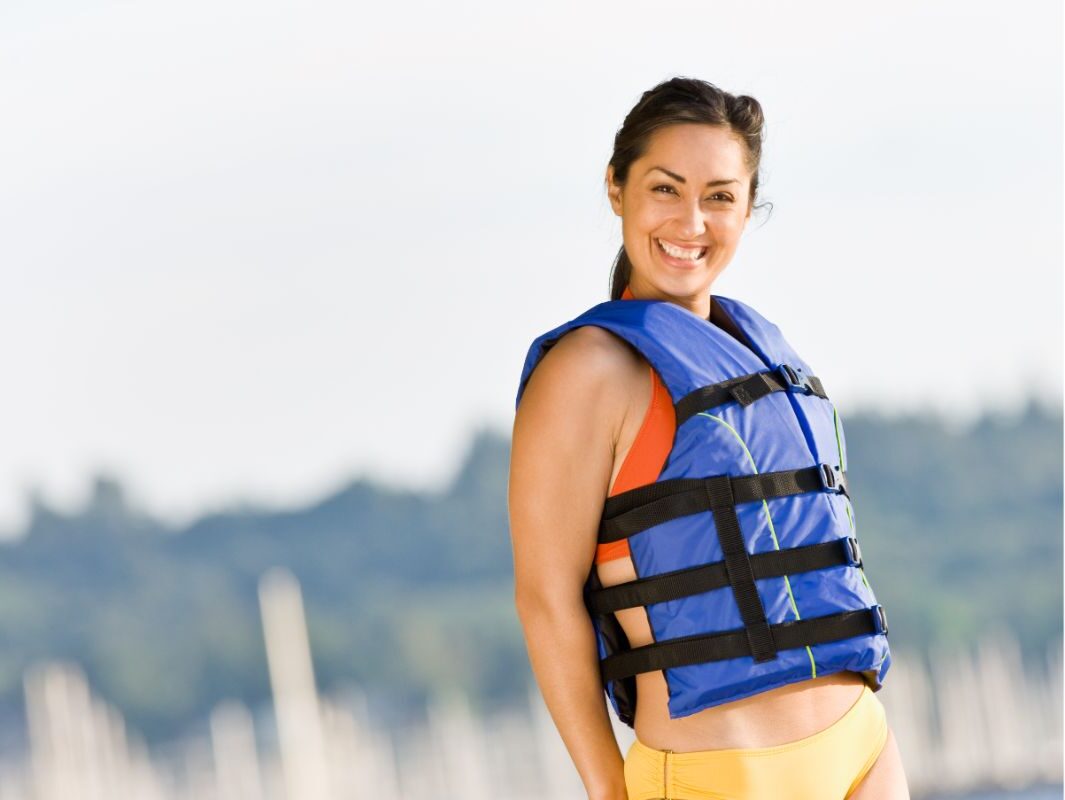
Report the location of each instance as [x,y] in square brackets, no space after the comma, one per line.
[832,479]
[879,619]
[854,551]
[794,381]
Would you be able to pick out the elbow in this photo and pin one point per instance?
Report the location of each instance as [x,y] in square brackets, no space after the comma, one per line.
[524,604]
[534,602]
[526,601]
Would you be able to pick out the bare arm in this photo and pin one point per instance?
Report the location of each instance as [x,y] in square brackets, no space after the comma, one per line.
[562,457]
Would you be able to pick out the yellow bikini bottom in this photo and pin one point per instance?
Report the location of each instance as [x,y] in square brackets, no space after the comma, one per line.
[828,765]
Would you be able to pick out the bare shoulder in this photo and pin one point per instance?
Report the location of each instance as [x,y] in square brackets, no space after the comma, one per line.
[589,365]
[562,455]
[593,348]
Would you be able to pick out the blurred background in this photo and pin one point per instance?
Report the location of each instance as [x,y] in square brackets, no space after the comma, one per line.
[271,270]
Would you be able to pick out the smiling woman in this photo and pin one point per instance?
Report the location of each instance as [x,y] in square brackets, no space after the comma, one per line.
[684,231]
[687,542]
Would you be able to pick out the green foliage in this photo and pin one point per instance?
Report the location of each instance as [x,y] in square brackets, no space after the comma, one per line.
[962,530]
[410,594]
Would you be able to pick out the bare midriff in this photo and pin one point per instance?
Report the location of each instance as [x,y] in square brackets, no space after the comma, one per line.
[773,717]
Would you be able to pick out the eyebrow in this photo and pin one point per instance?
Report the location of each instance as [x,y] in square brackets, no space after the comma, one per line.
[680,179]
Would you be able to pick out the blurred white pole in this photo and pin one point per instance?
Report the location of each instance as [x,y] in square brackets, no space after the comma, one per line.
[362,760]
[12,786]
[236,759]
[906,698]
[561,781]
[963,744]
[288,655]
[1054,710]
[1012,724]
[462,747]
[62,738]
[78,743]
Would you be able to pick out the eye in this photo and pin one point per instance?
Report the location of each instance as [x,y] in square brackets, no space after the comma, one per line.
[663,186]
[724,196]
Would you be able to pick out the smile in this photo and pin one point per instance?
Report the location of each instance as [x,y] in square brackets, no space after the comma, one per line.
[682,253]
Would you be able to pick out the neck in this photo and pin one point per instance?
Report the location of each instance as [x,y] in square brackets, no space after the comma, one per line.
[698,304]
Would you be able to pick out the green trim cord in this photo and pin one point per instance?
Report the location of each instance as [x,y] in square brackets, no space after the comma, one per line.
[772,530]
[843,466]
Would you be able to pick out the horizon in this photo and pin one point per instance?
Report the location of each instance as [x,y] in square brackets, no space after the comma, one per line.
[235,504]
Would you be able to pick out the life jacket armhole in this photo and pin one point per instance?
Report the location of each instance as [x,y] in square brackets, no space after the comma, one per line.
[646,457]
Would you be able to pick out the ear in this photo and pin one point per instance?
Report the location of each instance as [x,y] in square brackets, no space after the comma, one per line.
[613,191]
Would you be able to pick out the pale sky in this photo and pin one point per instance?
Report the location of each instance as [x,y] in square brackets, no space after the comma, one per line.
[252,250]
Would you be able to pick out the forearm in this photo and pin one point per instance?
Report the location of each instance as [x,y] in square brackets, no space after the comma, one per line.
[562,651]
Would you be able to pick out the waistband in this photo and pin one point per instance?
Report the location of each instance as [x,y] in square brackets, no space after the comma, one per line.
[866,707]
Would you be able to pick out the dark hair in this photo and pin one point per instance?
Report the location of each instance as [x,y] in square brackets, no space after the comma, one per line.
[682,100]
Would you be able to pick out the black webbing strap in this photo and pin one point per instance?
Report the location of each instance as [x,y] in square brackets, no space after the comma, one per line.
[644,507]
[745,389]
[738,566]
[707,577]
[735,643]
[615,641]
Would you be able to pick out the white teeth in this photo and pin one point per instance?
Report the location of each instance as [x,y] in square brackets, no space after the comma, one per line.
[685,253]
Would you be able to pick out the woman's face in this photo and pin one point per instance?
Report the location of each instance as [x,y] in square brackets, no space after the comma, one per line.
[683,209]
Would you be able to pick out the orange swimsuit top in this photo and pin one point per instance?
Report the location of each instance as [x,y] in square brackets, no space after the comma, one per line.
[645,459]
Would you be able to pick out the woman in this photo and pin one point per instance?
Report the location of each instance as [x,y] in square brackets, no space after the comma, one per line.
[768,689]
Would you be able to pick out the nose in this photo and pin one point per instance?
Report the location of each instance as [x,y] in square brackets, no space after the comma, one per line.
[692,222]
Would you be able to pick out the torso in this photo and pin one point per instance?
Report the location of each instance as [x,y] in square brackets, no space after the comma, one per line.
[773,717]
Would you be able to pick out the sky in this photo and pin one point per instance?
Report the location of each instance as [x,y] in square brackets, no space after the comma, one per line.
[252,251]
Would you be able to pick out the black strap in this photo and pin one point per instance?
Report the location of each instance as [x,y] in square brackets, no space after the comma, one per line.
[745,389]
[638,509]
[614,640]
[738,566]
[736,643]
[707,577]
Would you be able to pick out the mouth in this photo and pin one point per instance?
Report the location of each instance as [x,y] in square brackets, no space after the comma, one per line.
[679,253]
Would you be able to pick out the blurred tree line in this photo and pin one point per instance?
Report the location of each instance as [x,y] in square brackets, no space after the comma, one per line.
[410,593]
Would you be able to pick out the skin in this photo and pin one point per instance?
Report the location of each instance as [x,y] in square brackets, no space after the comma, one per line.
[579,415]
[653,205]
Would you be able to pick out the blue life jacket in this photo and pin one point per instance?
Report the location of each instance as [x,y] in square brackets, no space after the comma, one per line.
[744,548]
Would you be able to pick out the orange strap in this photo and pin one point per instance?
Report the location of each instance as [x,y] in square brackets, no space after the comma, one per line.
[645,459]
